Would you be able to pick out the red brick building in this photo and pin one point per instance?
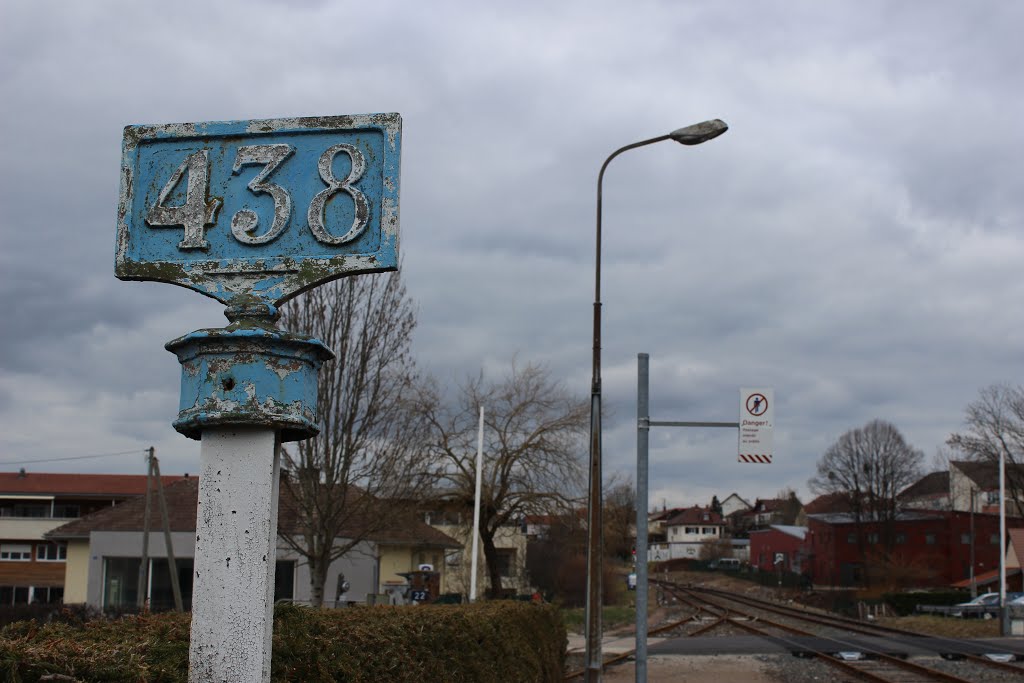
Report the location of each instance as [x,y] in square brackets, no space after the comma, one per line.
[778,547]
[925,548]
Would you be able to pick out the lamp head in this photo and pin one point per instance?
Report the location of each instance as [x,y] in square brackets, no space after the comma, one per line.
[699,132]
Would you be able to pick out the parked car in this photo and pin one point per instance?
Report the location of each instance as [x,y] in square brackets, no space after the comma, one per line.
[978,607]
[729,563]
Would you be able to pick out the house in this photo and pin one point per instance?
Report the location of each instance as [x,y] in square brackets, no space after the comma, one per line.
[656,532]
[765,512]
[33,504]
[734,504]
[919,548]
[454,519]
[778,548]
[687,532]
[104,551]
[967,485]
[976,485]
[930,492]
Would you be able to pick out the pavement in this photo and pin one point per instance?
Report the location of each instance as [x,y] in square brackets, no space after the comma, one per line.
[610,645]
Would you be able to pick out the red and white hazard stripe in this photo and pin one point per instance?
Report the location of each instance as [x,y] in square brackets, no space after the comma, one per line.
[761,458]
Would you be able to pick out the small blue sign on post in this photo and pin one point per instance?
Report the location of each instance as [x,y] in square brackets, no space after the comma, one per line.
[252,213]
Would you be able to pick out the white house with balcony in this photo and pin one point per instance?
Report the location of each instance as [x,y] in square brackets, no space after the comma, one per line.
[686,533]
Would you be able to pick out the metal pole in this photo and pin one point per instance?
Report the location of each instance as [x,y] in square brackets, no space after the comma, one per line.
[595,525]
[974,586]
[690,135]
[643,415]
[476,508]
[1004,617]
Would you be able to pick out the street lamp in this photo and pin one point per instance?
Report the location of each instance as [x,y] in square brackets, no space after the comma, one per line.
[690,135]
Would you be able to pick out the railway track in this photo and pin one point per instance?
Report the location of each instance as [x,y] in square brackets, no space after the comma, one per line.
[832,648]
[948,648]
[829,639]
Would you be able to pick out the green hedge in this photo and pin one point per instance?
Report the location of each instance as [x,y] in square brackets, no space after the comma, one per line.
[493,641]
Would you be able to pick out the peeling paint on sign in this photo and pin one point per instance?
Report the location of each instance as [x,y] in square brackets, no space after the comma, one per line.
[239,376]
[252,213]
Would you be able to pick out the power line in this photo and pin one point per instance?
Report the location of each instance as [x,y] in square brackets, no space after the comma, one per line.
[75,457]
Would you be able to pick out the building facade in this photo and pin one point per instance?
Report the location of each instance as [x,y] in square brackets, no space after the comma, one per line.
[104,557]
[32,566]
[919,548]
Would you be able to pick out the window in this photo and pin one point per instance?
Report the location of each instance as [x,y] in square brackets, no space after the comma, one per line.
[851,538]
[992,497]
[21,595]
[161,593]
[66,510]
[506,562]
[284,580]
[28,510]
[965,539]
[692,530]
[709,531]
[15,552]
[929,539]
[994,539]
[52,552]
[873,537]
[901,539]
[120,581]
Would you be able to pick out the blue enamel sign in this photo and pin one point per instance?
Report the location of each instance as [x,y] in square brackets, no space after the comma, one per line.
[255,212]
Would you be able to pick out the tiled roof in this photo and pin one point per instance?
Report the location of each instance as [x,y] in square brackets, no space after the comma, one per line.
[929,485]
[99,485]
[182,500]
[695,515]
[829,502]
[985,578]
[986,474]
[181,496]
[847,518]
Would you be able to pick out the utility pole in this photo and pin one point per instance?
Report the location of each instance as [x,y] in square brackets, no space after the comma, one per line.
[143,584]
[172,566]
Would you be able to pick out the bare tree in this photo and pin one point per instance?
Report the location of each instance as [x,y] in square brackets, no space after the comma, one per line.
[791,506]
[367,450]
[619,518]
[995,427]
[533,448]
[869,466]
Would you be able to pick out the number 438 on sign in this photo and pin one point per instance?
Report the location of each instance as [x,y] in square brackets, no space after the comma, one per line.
[259,209]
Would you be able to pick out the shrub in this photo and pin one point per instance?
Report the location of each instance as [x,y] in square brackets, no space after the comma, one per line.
[494,641]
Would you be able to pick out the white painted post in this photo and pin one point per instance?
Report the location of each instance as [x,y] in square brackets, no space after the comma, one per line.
[236,543]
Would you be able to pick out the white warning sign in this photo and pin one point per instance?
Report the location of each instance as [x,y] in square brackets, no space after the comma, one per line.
[757,420]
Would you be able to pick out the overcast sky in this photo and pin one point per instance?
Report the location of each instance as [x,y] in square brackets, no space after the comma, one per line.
[854,241]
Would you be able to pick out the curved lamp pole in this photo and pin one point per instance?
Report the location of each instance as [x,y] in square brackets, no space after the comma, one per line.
[691,135]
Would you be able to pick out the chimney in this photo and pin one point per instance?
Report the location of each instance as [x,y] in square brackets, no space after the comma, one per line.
[22,473]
